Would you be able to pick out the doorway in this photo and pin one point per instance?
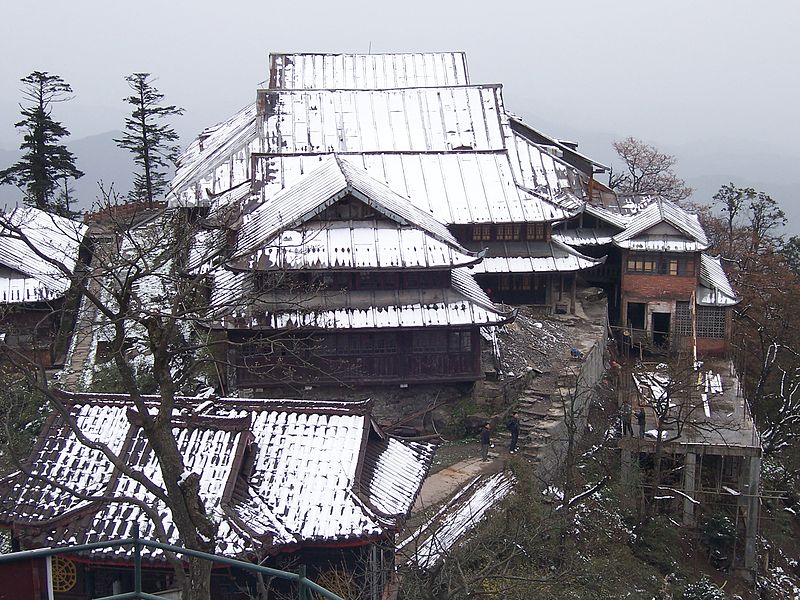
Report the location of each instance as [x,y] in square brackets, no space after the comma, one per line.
[635,316]
[660,328]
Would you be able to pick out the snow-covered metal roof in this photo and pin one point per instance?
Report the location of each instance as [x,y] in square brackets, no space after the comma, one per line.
[27,276]
[533,257]
[705,402]
[367,71]
[400,120]
[453,187]
[714,288]
[319,189]
[584,236]
[556,143]
[688,234]
[389,466]
[217,160]
[612,217]
[436,538]
[540,171]
[235,304]
[350,245]
[319,473]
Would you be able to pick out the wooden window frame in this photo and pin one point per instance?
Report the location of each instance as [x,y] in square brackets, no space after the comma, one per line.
[482,233]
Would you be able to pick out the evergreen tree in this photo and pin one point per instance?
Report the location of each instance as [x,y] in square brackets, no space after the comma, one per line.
[149,140]
[46,164]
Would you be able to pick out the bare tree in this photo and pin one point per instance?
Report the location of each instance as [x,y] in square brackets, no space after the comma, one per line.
[647,172]
[150,310]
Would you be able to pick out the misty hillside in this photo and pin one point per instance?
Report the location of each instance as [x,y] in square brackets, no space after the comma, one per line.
[705,166]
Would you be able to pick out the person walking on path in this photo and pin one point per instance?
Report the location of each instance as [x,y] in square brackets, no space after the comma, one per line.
[513,427]
[640,419]
[627,414]
[486,436]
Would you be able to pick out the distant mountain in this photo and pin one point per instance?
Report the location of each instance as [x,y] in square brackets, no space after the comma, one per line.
[101,160]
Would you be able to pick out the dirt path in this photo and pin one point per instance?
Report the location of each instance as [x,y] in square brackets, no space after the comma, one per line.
[439,486]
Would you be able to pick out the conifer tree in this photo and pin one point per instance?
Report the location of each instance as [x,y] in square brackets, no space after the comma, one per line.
[45,165]
[149,140]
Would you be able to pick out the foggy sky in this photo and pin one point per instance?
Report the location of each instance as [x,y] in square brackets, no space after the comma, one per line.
[673,73]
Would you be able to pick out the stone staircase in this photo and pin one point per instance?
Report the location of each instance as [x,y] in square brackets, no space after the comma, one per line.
[81,346]
[541,407]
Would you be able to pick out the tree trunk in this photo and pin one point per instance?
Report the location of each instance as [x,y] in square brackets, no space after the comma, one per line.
[198,583]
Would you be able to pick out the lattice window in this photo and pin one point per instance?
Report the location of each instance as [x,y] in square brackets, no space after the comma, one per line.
[638,263]
[64,573]
[460,341]
[429,341]
[535,231]
[683,318]
[481,233]
[710,322]
[384,343]
[508,232]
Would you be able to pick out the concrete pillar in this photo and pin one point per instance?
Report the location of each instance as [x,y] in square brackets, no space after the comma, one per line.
[689,476]
[626,465]
[752,472]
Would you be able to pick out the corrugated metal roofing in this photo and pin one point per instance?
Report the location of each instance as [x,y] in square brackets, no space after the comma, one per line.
[315,191]
[367,71]
[518,122]
[29,277]
[663,211]
[539,171]
[400,120]
[533,257]
[303,486]
[584,236]
[454,188]
[235,304]
[217,160]
[609,216]
[714,288]
[390,464]
[349,245]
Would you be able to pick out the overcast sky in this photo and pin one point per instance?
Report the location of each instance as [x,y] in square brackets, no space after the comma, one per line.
[673,73]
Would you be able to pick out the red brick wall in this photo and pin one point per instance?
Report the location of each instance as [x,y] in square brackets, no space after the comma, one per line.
[657,287]
[712,346]
[641,287]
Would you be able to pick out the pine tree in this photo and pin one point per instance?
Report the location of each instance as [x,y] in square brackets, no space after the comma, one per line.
[45,164]
[150,141]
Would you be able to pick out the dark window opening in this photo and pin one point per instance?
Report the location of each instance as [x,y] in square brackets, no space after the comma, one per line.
[661,264]
[508,232]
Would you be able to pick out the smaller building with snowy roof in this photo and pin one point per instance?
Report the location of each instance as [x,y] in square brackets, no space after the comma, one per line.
[315,479]
[663,287]
[39,253]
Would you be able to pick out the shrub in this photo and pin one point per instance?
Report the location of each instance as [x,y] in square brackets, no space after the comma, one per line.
[705,589]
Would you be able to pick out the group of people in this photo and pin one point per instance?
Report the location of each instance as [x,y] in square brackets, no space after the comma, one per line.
[626,412]
[486,436]
[627,417]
